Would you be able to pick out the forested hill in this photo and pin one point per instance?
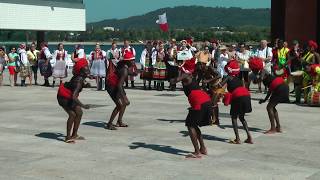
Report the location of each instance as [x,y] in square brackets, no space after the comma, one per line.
[193,16]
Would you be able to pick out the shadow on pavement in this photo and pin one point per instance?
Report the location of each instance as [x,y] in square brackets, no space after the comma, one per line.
[171,121]
[241,127]
[99,124]
[160,148]
[53,136]
[205,136]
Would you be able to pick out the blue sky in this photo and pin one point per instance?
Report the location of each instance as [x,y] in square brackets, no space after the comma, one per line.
[108,9]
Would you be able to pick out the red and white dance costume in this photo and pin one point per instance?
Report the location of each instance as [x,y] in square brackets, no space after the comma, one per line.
[78,54]
[98,67]
[200,112]
[129,54]
[59,63]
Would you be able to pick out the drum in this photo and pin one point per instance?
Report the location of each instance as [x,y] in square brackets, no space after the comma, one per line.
[313,98]
[297,77]
[217,94]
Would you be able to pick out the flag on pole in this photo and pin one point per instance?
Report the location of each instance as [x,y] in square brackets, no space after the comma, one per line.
[163,23]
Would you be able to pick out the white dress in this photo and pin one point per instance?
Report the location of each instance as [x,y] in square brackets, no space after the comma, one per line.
[59,62]
[98,66]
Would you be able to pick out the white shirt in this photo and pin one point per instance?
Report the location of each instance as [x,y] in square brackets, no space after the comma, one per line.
[104,54]
[114,55]
[264,54]
[222,62]
[55,54]
[244,56]
[23,57]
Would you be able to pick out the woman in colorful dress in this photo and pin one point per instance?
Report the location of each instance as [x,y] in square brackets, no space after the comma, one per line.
[98,66]
[25,66]
[78,53]
[239,98]
[200,112]
[59,57]
[159,74]
[146,65]
[171,63]
[3,60]
[44,63]
[67,97]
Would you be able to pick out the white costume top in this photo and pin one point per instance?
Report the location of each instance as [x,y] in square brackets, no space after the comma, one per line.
[243,56]
[143,58]
[55,56]
[114,55]
[222,62]
[23,57]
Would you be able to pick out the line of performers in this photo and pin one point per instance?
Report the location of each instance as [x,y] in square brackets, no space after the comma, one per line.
[202,85]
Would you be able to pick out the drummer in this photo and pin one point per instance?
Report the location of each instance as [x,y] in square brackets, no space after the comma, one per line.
[296,69]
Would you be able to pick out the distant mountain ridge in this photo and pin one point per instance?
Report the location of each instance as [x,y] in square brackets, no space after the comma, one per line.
[193,16]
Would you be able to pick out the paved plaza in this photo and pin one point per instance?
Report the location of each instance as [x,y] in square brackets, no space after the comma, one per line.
[32,129]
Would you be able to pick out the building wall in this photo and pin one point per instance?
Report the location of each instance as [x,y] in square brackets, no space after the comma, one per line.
[46,18]
[301,20]
[295,20]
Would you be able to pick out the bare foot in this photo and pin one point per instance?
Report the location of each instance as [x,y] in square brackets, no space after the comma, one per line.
[121,124]
[248,141]
[110,127]
[236,141]
[70,141]
[194,156]
[279,130]
[77,137]
[270,131]
[204,151]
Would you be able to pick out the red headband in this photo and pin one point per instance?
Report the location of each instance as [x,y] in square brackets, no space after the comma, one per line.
[256,64]
[79,65]
[232,68]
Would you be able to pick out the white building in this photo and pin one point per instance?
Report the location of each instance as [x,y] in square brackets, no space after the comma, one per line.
[109,28]
[43,15]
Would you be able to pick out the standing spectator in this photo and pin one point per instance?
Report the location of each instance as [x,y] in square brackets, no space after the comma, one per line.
[78,53]
[25,66]
[158,58]
[215,53]
[33,60]
[98,66]
[295,66]
[128,53]
[147,65]
[3,59]
[265,53]
[243,57]
[44,63]
[12,66]
[232,52]
[114,53]
[59,58]
[222,61]
[281,63]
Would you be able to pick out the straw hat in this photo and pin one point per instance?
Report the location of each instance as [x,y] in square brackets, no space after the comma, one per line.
[223,47]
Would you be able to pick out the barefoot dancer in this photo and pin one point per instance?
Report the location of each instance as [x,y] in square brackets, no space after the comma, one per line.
[68,99]
[279,92]
[201,109]
[115,79]
[239,98]
[277,89]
